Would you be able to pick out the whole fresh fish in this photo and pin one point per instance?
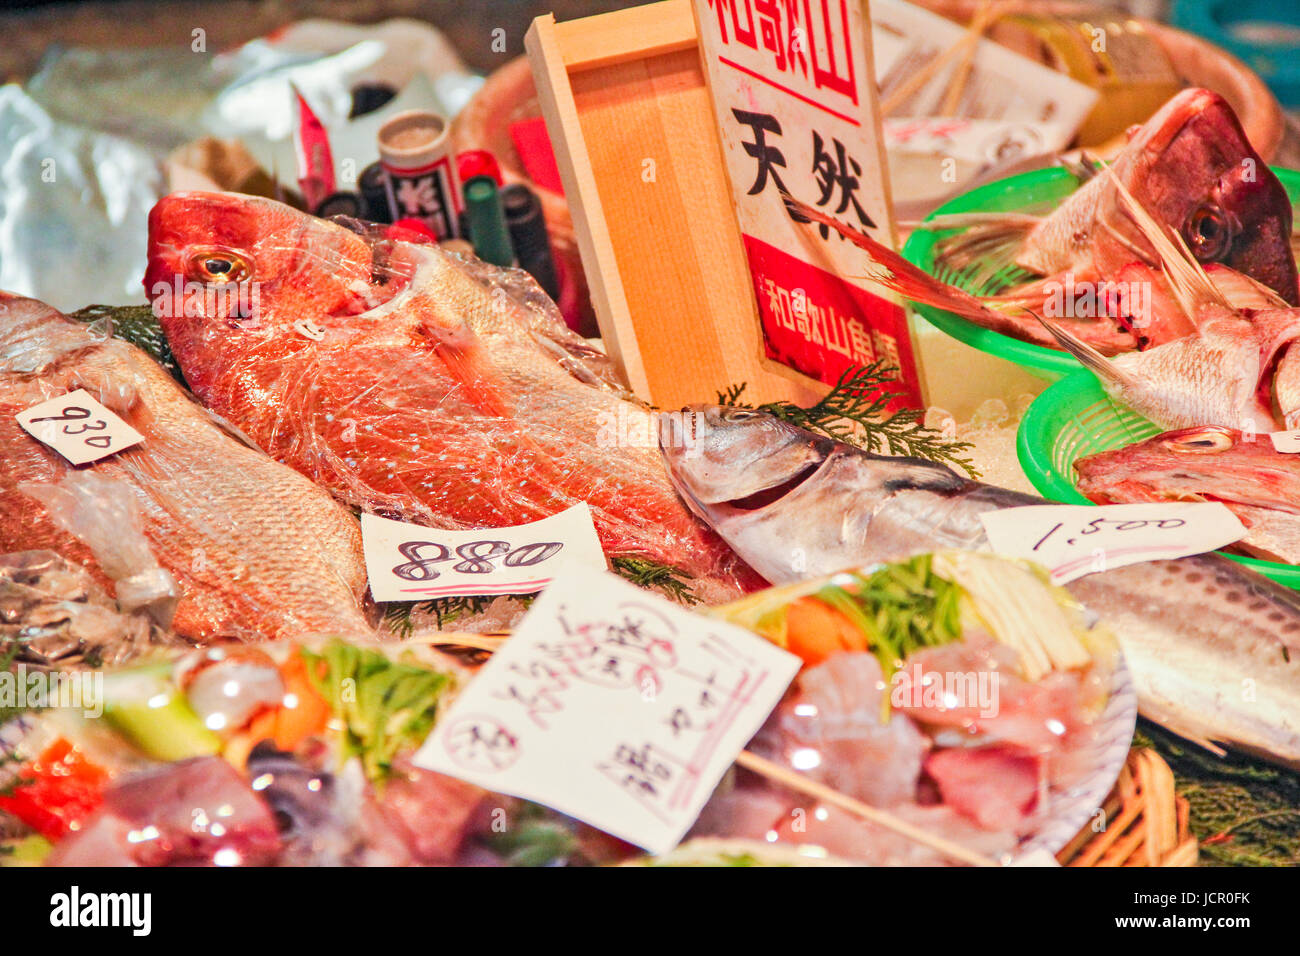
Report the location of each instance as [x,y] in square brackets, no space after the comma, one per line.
[411,383]
[1239,368]
[1193,168]
[258,551]
[1208,359]
[1190,168]
[1259,484]
[1213,647]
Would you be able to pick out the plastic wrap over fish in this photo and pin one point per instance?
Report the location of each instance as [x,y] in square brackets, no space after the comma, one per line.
[191,519]
[104,515]
[54,613]
[73,207]
[412,383]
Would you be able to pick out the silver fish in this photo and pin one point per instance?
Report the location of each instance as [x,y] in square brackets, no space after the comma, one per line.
[1214,648]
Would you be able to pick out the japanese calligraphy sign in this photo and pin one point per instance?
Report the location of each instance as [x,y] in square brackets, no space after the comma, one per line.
[614,706]
[794,97]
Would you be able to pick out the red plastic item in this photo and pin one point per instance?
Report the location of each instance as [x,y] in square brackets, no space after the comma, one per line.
[57,791]
[533,144]
[410,230]
[477,162]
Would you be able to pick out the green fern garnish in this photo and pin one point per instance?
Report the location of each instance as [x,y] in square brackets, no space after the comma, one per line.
[397,615]
[655,576]
[856,411]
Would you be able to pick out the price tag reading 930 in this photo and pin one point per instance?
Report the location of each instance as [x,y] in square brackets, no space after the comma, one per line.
[409,562]
[78,427]
[1074,540]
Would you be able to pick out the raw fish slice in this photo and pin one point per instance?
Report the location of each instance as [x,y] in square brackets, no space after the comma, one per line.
[1039,717]
[833,730]
[994,787]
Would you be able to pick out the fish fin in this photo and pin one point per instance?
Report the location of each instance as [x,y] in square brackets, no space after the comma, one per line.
[1192,287]
[464,361]
[1107,371]
[987,243]
[1184,731]
[1084,168]
[898,275]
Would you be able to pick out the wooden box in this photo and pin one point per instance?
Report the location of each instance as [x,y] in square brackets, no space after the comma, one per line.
[632,126]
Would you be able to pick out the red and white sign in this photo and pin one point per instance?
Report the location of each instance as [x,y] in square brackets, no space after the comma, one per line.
[795,100]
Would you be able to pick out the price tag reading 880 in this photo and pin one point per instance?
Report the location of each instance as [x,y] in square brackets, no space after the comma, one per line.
[78,427]
[407,562]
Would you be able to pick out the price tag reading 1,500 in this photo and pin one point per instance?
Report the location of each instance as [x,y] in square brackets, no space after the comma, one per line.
[78,427]
[1073,540]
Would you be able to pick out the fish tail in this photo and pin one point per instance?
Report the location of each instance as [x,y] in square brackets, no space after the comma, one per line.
[898,275]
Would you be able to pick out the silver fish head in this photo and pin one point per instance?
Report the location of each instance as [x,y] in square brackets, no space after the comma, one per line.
[794,504]
[725,459]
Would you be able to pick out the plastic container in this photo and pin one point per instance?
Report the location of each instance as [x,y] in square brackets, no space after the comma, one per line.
[1038,191]
[1073,418]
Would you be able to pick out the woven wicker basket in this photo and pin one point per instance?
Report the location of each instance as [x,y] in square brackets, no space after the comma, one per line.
[1143,822]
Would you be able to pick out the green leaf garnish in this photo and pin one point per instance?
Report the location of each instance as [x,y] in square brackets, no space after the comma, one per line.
[386,706]
[856,411]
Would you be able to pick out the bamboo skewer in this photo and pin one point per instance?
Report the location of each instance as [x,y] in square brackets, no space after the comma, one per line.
[989,13]
[964,49]
[797,781]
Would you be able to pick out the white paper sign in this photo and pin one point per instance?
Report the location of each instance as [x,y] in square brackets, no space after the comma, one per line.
[1074,540]
[78,427]
[1286,442]
[409,562]
[614,706]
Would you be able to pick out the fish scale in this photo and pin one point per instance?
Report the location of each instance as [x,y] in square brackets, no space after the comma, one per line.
[259,551]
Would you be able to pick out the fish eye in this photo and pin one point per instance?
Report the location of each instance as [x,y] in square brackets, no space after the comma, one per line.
[217,266]
[1206,442]
[1208,234]
[739,415]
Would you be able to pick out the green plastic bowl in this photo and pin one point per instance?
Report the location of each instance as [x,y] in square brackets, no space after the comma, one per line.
[1074,418]
[1038,191]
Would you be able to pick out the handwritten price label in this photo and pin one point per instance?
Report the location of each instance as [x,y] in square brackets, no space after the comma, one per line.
[1074,540]
[409,562]
[614,706]
[1286,442]
[78,427]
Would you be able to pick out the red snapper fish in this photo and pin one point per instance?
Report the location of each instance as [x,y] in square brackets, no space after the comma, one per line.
[411,383]
[255,550]
[1191,167]
[1258,483]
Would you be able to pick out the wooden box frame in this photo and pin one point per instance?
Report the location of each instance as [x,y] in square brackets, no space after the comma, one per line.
[628,110]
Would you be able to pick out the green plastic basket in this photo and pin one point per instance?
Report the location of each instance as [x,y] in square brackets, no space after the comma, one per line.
[1073,418]
[1038,191]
